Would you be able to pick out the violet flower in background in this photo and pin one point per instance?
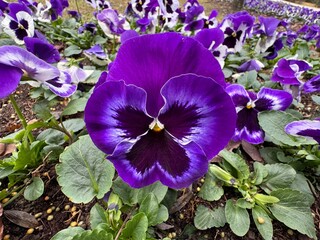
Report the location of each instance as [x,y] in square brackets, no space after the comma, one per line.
[156,115]
[3,5]
[42,49]
[250,65]
[15,61]
[111,22]
[313,85]
[236,27]
[97,51]
[99,4]
[248,105]
[306,128]
[289,71]
[57,7]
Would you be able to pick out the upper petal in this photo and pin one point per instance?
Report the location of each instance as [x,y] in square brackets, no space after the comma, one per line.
[9,80]
[306,128]
[313,85]
[273,99]
[149,61]
[239,95]
[116,112]
[198,109]
[159,156]
[20,58]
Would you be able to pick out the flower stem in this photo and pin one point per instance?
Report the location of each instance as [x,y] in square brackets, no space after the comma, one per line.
[21,117]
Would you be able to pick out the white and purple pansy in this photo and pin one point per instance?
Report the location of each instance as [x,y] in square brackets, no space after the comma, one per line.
[289,71]
[15,61]
[313,85]
[306,128]
[18,24]
[111,22]
[248,105]
[236,27]
[162,112]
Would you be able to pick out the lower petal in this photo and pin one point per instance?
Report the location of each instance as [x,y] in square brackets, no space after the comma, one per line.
[248,127]
[62,85]
[10,78]
[157,156]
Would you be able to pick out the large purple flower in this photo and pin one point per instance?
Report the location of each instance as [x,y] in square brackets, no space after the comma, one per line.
[306,128]
[15,61]
[248,105]
[160,115]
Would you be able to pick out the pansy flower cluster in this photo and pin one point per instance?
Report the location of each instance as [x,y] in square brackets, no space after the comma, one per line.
[162,109]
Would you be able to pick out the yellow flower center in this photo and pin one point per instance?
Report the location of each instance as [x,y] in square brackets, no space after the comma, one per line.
[156,126]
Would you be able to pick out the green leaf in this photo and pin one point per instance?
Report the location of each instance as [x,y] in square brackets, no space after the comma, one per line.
[42,110]
[150,206]
[136,228]
[294,211]
[34,190]
[243,203]
[75,106]
[97,216]
[269,154]
[74,124]
[237,162]
[249,80]
[259,173]
[227,72]
[273,124]
[83,172]
[263,222]
[206,218]
[211,190]
[300,183]
[72,50]
[316,99]
[303,50]
[96,234]
[131,196]
[279,176]
[68,233]
[29,156]
[238,218]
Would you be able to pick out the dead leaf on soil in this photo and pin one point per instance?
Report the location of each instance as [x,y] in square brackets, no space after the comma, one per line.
[182,201]
[6,149]
[252,151]
[21,218]
[164,226]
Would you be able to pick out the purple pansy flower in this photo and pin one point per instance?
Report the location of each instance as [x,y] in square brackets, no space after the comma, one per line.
[111,22]
[42,49]
[156,114]
[252,64]
[313,85]
[97,51]
[236,27]
[15,61]
[248,105]
[289,71]
[306,128]
[18,23]
[58,6]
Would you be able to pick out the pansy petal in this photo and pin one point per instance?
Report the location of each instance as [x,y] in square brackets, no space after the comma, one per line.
[114,113]
[61,85]
[306,128]
[302,64]
[143,62]
[10,78]
[158,156]
[273,99]
[284,70]
[203,113]
[313,85]
[248,128]
[239,95]
[210,38]
[35,68]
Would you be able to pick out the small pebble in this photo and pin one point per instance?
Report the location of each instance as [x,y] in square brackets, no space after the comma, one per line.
[6,237]
[57,209]
[174,235]
[46,198]
[49,210]
[30,231]
[222,234]
[170,235]
[261,220]
[73,209]
[14,193]
[66,207]
[73,224]
[202,180]
[37,215]
[290,232]
[50,217]
[5,200]
[181,216]
[198,189]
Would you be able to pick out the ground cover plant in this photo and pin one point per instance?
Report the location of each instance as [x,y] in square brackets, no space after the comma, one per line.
[161,122]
